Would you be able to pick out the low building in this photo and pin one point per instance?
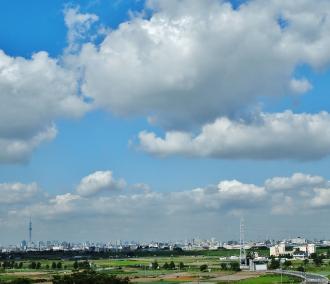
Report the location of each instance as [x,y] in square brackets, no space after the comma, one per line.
[300,255]
[258,264]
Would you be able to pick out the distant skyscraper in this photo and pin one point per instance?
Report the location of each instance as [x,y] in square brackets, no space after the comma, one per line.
[30,231]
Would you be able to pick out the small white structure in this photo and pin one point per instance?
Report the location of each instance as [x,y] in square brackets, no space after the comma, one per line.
[258,264]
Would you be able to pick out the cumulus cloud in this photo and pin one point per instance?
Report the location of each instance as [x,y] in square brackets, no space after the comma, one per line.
[191,61]
[278,196]
[12,193]
[236,190]
[34,92]
[78,24]
[54,208]
[298,193]
[300,86]
[134,209]
[269,136]
[178,67]
[321,198]
[283,205]
[297,181]
[99,181]
[16,150]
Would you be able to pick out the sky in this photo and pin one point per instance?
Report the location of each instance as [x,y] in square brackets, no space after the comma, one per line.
[164,119]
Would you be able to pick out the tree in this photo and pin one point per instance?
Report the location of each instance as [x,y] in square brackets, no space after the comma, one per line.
[287,263]
[306,261]
[54,265]
[59,265]
[203,267]
[274,264]
[154,265]
[181,266]
[47,266]
[223,266]
[33,265]
[38,265]
[318,260]
[171,265]
[235,266]
[166,266]
[313,255]
[301,268]
[75,265]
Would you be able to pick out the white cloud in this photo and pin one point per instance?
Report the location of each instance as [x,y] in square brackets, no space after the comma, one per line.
[321,198]
[236,190]
[78,25]
[12,193]
[300,86]
[297,181]
[283,205]
[191,61]
[132,210]
[269,136]
[55,207]
[99,181]
[16,150]
[34,92]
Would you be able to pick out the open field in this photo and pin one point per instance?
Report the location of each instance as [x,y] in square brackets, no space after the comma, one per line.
[139,270]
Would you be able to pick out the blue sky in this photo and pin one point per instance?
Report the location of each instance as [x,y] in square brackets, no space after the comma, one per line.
[174,95]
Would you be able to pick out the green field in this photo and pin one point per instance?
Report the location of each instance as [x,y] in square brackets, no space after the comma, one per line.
[139,269]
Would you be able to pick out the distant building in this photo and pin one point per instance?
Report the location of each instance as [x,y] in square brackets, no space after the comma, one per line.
[299,251]
[298,241]
[277,250]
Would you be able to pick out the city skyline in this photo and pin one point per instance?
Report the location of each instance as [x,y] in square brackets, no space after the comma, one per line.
[160,119]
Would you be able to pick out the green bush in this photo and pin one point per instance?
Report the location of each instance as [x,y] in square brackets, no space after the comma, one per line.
[203,267]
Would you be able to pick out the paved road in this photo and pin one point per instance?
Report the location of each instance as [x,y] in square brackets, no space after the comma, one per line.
[307,277]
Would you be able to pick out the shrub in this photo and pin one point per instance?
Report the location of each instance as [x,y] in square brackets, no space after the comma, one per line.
[203,267]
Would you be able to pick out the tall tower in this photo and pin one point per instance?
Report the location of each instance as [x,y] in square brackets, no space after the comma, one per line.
[30,231]
[242,253]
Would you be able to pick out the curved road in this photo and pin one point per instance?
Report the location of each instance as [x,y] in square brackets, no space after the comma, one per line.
[307,277]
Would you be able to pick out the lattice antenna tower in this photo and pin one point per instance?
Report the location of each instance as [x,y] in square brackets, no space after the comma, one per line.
[242,253]
[30,231]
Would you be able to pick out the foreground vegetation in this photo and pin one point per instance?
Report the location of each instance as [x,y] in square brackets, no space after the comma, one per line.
[164,268]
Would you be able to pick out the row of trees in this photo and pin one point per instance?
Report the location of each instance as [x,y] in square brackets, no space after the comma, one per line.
[276,263]
[168,266]
[81,265]
[234,266]
[32,265]
[11,264]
